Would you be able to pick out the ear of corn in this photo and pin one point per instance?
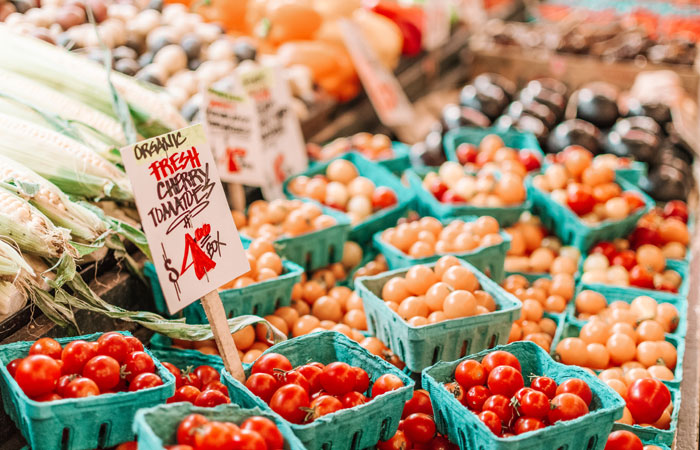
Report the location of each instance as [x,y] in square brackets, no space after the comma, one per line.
[87,82]
[83,223]
[69,164]
[15,277]
[33,232]
[12,265]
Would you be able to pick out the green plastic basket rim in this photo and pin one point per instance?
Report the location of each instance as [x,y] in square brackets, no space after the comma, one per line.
[534,348]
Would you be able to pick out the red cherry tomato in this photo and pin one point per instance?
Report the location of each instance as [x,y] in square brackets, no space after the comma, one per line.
[457,390]
[529,160]
[500,358]
[623,440]
[137,363]
[186,393]
[191,379]
[605,248]
[145,380]
[265,428]
[50,397]
[418,403]
[492,421]
[289,402]
[248,440]
[322,406]
[578,387]
[419,427]
[385,383]
[467,153]
[12,366]
[566,407]
[397,442]
[634,200]
[677,209]
[438,189]
[62,384]
[187,428]
[104,371]
[450,196]
[641,277]
[361,380]
[75,354]
[338,378]
[470,373]
[625,258]
[207,374]
[580,199]
[176,372]
[263,385]
[113,344]
[37,374]
[312,373]
[46,346]
[268,362]
[214,436]
[645,234]
[505,380]
[211,398]
[352,399]
[216,386]
[81,387]
[501,406]
[441,443]
[476,396]
[134,344]
[545,385]
[383,197]
[525,424]
[647,398]
[533,404]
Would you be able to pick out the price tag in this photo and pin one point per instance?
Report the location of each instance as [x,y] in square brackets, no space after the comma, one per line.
[194,242]
[437,23]
[383,89]
[254,132]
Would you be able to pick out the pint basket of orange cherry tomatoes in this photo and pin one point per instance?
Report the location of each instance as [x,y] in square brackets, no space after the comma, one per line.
[80,392]
[302,231]
[370,195]
[375,147]
[584,203]
[331,391]
[479,241]
[439,311]
[516,397]
[228,426]
[267,286]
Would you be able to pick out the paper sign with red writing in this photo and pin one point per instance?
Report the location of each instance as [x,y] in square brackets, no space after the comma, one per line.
[383,89]
[194,242]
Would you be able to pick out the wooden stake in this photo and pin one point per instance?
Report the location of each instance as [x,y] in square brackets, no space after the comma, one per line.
[224,341]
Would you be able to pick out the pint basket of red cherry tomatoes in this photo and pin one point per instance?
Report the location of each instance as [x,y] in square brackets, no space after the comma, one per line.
[584,203]
[370,195]
[261,296]
[304,232]
[477,240]
[332,392]
[439,311]
[516,397]
[228,426]
[61,393]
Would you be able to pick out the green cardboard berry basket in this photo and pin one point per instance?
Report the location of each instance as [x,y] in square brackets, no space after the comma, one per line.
[571,230]
[428,205]
[380,176]
[400,162]
[471,135]
[487,259]
[627,294]
[570,329]
[260,299]
[420,347]
[76,423]
[184,358]
[463,427]
[634,173]
[348,429]
[656,436]
[368,254]
[316,249]
[156,427]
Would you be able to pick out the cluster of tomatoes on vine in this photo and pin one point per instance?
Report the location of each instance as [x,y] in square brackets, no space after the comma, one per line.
[494,389]
[113,363]
[200,386]
[305,393]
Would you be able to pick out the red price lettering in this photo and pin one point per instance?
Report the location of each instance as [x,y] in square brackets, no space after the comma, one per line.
[200,260]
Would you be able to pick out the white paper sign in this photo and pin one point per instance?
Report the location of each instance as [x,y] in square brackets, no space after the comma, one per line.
[383,89]
[254,132]
[194,242]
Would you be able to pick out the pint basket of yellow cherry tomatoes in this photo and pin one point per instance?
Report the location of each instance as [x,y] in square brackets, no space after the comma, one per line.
[439,311]
[370,195]
[302,231]
[180,425]
[80,392]
[576,411]
[266,287]
[332,392]
[479,241]
[585,203]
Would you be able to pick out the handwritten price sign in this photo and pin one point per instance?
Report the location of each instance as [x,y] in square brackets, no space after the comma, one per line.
[183,208]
